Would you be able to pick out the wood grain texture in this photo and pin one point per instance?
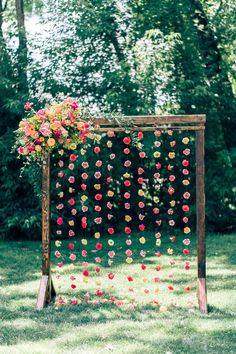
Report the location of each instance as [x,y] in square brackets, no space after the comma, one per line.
[154,120]
[153,128]
[200,214]
[202,295]
[42,293]
[46,214]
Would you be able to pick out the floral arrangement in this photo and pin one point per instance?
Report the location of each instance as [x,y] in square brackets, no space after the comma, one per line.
[59,125]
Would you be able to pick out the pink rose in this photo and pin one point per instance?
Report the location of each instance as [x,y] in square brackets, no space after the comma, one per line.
[98,163]
[142,154]
[140,170]
[97,175]
[71,166]
[85,164]
[72,257]
[186,241]
[127,205]
[45,129]
[71,179]
[84,253]
[128,253]
[84,175]
[73,211]
[127,163]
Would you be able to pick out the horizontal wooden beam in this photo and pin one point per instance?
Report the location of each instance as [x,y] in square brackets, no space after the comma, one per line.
[153,120]
[153,128]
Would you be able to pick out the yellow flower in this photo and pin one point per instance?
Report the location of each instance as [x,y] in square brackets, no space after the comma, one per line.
[97,186]
[85,280]
[82,151]
[55,125]
[129,260]
[71,222]
[110,193]
[163,309]
[185,140]
[97,235]
[141,192]
[41,139]
[142,240]
[80,125]
[157,154]
[58,243]
[73,146]
[170,251]
[185,182]
[61,152]
[187,230]
[71,190]
[84,241]
[38,148]
[61,194]
[140,145]
[156,199]
[79,302]
[171,155]
[126,175]
[84,198]
[97,137]
[128,218]
[172,203]
[67,122]
[109,144]
[110,242]
[158,242]
[35,135]
[51,142]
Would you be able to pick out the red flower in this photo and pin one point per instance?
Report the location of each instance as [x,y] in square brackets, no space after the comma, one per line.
[111,230]
[85,273]
[59,221]
[130,278]
[109,179]
[158,166]
[111,275]
[98,246]
[97,149]
[126,151]
[173,238]
[141,227]
[28,105]
[98,197]
[60,264]
[71,246]
[170,287]
[188,288]
[158,254]
[185,163]
[98,270]
[140,180]
[185,208]
[127,230]
[83,186]
[127,140]
[158,268]
[157,279]
[99,293]
[171,190]
[140,135]
[185,251]
[73,286]
[140,170]
[143,266]
[73,157]
[71,201]
[156,210]
[127,183]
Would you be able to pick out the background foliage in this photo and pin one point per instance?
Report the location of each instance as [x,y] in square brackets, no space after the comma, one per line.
[136,57]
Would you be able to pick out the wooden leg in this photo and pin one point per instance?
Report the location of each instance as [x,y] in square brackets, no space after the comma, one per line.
[200,211]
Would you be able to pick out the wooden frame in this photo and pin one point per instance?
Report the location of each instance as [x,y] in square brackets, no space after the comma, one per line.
[139,123]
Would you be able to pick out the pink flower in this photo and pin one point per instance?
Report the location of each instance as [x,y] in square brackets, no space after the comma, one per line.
[109,179]
[185,251]
[60,174]
[127,163]
[21,150]
[71,179]
[60,206]
[158,235]
[98,197]
[45,129]
[173,143]
[169,167]
[157,175]
[186,152]
[109,205]
[185,219]
[112,156]
[140,135]
[111,254]
[111,275]
[60,264]
[72,257]
[83,186]
[128,242]
[141,227]
[158,166]
[141,205]
[30,148]
[157,279]
[73,286]
[127,183]
[98,163]
[98,221]
[98,270]
[84,264]
[97,149]
[85,164]
[140,180]
[186,195]
[126,151]
[171,222]
[143,266]
[141,217]
[71,166]
[127,205]
[130,278]
[142,154]
[185,208]
[172,238]
[127,195]
[41,112]
[97,208]
[143,253]
[185,171]
[140,170]
[171,190]
[171,178]
[128,253]
[110,230]
[97,175]
[85,273]
[28,106]
[84,253]
[57,254]
[84,175]
[128,230]
[84,208]
[186,241]
[98,260]
[71,246]
[71,233]
[147,291]
[185,163]
[73,301]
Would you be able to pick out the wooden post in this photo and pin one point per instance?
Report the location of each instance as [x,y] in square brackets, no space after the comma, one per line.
[46,289]
[200,212]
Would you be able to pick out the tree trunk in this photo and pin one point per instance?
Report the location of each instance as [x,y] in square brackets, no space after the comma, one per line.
[22,47]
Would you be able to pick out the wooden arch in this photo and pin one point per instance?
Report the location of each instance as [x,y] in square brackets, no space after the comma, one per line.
[139,123]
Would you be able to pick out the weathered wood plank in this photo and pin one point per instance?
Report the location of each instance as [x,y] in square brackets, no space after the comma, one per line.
[46,215]
[153,128]
[42,293]
[200,211]
[150,120]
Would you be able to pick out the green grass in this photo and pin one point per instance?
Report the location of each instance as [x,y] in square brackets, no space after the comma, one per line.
[107,328]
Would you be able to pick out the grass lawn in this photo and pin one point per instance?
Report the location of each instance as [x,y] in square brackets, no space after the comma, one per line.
[107,328]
